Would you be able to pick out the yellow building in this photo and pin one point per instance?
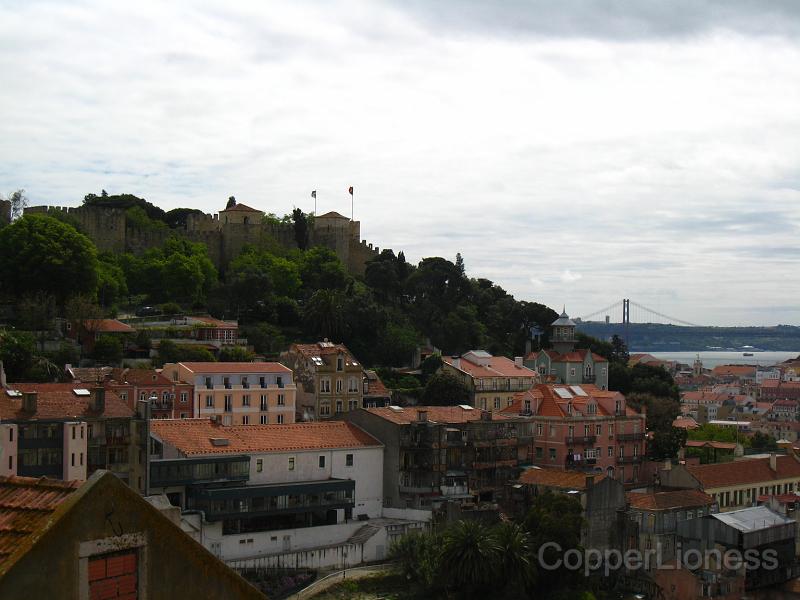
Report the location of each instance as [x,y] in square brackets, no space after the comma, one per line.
[239,393]
[491,380]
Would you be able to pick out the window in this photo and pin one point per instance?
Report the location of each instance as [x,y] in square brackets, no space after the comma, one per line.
[142,396]
[325,385]
[245,385]
[184,415]
[321,462]
[123,396]
[209,401]
[259,465]
[572,372]
[281,399]
[264,419]
[10,462]
[228,403]
[598,430]
[483,403]
[610,430]
[340,364]
[72,459]
[184,397]
[263,402]
[352,385]
[352,405]
[621,451]
[338,406]
[208,383]
[636,450]
[325,409]
[586,430]
[246,400]
[348,460]
[279,381]
[552,454]
[81,463]
[539,452]
[291,463]
[280,419]
[226,381]
[339,386]
[611,452]
[552,431]
[245,419]
[571,431]
[539,428]
[497,403]
[165,397]
[73,432]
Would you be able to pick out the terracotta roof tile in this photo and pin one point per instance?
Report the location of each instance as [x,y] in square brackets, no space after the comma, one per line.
[322,349]
[193,436]
[556,478]
[499,366]
[107,326]
[26,504]
[734,370]
[375,386]
[748,471]
[435,414]
[59,401]
[236,367]
[239,208]
[671,500]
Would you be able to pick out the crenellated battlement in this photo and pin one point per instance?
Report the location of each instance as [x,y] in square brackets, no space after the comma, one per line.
[110,231]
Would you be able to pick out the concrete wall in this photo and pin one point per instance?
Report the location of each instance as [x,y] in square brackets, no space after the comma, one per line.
[389,435]
[8,449]
[75,453]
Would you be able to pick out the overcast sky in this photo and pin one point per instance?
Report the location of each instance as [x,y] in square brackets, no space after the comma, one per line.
[575,153]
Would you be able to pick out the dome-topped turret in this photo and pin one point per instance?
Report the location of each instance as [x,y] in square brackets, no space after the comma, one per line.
[562,334]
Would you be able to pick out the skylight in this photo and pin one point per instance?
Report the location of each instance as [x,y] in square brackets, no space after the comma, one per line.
[317,361]
[396,408]
[14,393]
[81,392]
[578,390]
[564,393]
[465,407]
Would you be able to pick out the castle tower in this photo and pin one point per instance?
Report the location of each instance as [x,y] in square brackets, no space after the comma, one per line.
[562,333]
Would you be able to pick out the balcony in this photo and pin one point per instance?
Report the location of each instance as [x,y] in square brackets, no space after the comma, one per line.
[273,499]
[628,460]
[166,472]
[630,437]
[581,440]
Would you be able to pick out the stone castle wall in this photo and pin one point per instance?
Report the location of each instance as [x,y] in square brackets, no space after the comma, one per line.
[5,212]
[108,230]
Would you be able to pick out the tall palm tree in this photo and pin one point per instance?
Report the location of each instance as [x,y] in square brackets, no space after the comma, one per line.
[469,556]
[515,565]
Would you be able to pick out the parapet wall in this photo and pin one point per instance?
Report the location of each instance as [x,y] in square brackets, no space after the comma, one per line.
[5,212]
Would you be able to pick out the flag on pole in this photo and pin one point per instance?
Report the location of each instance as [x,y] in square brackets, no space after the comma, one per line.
[351,190]
[314,194]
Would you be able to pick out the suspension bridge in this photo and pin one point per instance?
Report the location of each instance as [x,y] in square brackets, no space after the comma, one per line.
[628,311]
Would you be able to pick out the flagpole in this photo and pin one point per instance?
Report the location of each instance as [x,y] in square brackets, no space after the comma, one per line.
[352,205]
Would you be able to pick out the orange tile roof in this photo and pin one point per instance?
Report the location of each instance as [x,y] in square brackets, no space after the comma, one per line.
[90,374]
[107,326]
[332,215]
[193,436]
[375,386]
[553,405]
[216,322]
[671,500]
[26,504]
[556,478]
[748,471]
[236,367]
[138,377]
[322,349]
[499,366]
[735,370]
[685,423]
[435,414]
[578,355]
[710,444]
[517,406]
[240,207]
[58,401]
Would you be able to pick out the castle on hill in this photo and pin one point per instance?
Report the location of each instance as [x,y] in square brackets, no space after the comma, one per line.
[224,233]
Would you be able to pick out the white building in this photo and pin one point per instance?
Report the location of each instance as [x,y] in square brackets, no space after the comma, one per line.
[271,492]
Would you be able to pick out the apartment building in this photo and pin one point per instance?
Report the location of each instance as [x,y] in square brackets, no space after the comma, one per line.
[168,399]
[329,377]
[583,427]
[65,431]
[737,484]
[492,381]
[238,393]
[439,454]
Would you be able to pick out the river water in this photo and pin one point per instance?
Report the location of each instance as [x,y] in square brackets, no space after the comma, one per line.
[713,358]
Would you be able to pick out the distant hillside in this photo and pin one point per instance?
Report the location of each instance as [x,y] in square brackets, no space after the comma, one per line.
[655,337]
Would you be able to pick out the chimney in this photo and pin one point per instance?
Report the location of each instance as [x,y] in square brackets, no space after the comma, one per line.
[98,401]
[29,402]
[422,416]
[773,462]
[518,361]
[486,415]
[589,482]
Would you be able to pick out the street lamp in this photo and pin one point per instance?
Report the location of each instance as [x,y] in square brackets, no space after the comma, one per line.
[146,414]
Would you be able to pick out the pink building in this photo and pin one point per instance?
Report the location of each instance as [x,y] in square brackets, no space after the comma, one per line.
[584,427]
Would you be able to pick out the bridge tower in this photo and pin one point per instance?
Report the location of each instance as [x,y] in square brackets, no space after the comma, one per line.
[626,311]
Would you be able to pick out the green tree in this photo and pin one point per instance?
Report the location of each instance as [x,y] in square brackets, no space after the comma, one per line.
[39,253]
[36,312]
[619,350]
[107,350]
[418,558]
[516,569]
[19,202]
[17,351]
[300,228]
[444,389]
[431,365]
[235,354]
[666,443]
[470,555]
[323,314]
[112,286]
[763,441]
[320,269]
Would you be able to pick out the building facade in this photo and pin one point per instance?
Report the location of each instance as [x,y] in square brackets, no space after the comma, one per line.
[563,363]
[67,432]
[329,377]
[439,454]
[492,381]
[254,393]
[584,428]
